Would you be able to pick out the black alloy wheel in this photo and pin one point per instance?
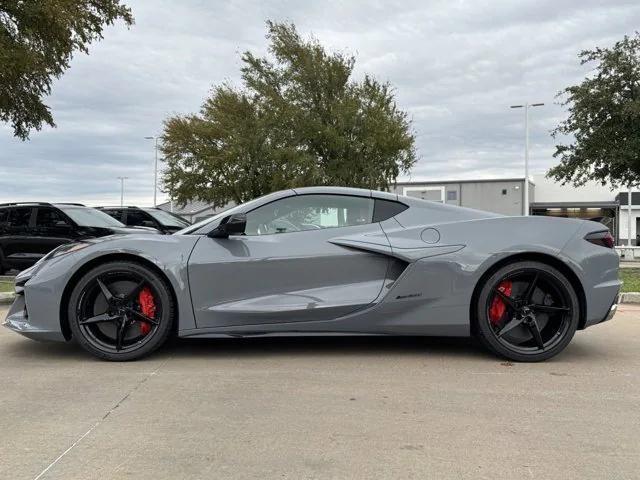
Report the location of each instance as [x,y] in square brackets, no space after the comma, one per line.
[121,311]
[527,311]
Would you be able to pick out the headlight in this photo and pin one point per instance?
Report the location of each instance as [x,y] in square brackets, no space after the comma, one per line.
[65,249]
[27,274]
[23,277]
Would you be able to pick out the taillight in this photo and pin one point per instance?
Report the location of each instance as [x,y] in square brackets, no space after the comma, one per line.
[604,239]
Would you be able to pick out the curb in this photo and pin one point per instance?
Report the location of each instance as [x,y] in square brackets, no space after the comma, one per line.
[7,298]
[630,297]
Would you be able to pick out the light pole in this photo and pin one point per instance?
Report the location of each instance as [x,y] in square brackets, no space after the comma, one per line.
[122,179]
[526,107]
[629,217]
[155,170]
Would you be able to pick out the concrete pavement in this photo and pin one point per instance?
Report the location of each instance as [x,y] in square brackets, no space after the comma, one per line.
[334,408]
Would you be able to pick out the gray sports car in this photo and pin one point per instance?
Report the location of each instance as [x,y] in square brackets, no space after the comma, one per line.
[328,261]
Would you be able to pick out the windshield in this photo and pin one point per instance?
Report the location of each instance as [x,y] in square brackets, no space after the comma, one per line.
[90,217]
[201,223]
[167,219]
[218,216]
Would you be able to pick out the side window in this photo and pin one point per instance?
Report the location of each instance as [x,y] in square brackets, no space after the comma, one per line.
[136,218]
[20,216]
[4,214]
[385,209]
[309,212]
[115,213]
[50,217]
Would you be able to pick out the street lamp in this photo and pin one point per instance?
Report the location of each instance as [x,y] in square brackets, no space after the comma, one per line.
[155,170]
[629,197]
[122,179]
[526,107]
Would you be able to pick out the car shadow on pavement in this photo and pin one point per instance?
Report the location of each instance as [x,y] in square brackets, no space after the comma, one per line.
[251,348]
[445,347]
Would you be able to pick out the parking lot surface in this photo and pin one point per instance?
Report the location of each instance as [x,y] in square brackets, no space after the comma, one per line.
[330,408]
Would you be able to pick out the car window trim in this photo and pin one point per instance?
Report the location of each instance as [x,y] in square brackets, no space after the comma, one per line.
[314,194]
[306,195]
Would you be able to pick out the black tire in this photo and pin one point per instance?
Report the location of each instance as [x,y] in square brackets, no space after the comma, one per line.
[117,329]
[536,322]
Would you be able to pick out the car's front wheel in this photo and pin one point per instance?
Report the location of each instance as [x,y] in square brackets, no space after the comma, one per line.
[121,311]
[527,312]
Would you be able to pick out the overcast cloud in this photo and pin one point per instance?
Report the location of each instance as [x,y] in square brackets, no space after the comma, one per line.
[456,65]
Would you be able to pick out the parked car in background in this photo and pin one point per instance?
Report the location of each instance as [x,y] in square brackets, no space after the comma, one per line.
[161,220]
[28,231]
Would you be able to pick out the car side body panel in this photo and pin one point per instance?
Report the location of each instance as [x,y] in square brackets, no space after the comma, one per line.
[265,278]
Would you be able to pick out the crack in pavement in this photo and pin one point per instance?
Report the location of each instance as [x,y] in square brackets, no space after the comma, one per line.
[102,420]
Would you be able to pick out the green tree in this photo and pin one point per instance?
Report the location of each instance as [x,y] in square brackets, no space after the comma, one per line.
[299,119]
[37,42]
[604,119]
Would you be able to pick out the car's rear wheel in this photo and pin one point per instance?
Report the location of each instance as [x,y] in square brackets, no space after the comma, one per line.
[121,311]
[527,312]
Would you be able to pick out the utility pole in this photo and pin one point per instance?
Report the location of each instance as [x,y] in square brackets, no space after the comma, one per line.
[122,179]
[526,107]
[155,170]
[629,217]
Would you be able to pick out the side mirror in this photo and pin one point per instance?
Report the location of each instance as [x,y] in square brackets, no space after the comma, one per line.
[231,225]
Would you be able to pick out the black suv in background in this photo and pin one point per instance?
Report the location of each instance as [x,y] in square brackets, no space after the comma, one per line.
[162,220]
[28,231]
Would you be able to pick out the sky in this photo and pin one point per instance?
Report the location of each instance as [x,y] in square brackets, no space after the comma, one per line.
[456,65]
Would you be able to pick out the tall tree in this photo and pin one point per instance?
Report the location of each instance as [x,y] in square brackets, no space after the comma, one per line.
[37,42]
[604,119]
[299,119]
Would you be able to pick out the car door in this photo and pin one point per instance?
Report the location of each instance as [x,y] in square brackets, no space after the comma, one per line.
[285,268]
[52,229]
[19,242]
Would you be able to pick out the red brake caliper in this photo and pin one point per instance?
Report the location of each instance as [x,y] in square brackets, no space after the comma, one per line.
[496,311]
[147,307]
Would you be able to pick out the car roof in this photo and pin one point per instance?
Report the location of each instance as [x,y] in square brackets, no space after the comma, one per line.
[360,192]
[118,207]
[333,190]
[39,204]
[125,207]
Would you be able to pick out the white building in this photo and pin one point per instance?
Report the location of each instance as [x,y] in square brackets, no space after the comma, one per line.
[634,226]
[592,201]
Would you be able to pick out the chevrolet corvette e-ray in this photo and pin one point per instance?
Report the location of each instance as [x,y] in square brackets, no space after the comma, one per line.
[328,261]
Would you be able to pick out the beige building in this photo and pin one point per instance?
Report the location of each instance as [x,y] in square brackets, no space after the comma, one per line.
[505,196]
